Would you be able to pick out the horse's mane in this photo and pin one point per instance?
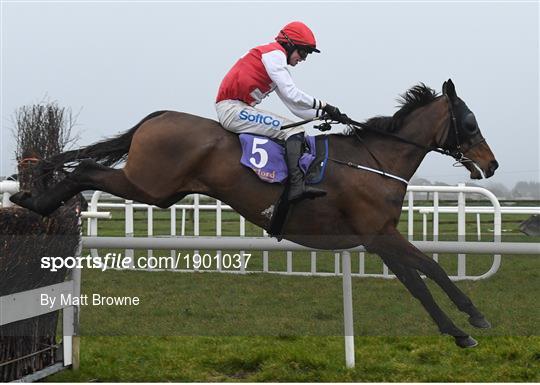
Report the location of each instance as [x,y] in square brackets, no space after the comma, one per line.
[414,98]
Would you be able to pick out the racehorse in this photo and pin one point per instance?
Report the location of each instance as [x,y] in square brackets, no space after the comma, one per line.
[172,154]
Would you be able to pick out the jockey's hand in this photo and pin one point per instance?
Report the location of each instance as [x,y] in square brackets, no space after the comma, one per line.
[335,114]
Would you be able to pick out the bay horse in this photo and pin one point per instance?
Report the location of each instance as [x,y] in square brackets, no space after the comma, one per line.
[172,154]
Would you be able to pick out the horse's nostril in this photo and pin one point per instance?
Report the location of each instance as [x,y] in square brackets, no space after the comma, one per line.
[493,165]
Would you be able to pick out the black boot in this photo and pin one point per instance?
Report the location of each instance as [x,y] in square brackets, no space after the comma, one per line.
[298,189]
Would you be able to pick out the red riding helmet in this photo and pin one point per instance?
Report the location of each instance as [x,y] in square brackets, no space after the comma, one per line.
[298,34]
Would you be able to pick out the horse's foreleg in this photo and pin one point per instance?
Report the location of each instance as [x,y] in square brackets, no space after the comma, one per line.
[416,286]
[406,254]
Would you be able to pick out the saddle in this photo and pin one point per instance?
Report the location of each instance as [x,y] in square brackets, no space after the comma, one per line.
[266,157]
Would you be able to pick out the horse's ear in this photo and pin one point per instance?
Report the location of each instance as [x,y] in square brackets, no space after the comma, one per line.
[449,89]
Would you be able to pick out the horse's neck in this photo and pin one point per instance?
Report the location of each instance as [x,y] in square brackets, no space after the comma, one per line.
[421,127]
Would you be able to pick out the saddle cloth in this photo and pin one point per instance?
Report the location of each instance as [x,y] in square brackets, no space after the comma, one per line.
[266,158]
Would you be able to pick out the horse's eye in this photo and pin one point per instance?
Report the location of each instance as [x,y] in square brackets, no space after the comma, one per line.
[470,123]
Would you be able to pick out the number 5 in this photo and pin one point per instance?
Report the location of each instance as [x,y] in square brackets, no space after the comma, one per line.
[258,150]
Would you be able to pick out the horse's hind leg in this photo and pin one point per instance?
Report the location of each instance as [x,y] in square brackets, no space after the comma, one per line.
[94,176]
[405,253]
[46,202]
[88,175]
[416,286]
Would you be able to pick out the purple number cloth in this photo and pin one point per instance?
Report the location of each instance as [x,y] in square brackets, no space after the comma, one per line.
[267,158]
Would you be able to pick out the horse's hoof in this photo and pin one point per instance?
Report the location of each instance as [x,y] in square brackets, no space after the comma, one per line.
[479,322]
[25,199]
[466,342]
[20,197]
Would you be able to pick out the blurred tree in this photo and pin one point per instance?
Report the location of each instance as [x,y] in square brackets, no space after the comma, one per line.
[529,190]
[499,189]
[41,131]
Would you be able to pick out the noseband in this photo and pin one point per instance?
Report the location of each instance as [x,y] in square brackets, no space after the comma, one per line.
[456,153]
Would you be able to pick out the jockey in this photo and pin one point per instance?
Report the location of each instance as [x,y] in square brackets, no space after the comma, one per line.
[259,72]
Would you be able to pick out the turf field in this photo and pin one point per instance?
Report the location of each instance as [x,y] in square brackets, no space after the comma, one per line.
[265,327]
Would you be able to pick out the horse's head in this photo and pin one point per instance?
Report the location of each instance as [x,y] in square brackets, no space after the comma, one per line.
[464,139]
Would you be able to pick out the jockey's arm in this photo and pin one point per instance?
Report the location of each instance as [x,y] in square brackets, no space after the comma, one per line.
[297,101]
[302,113]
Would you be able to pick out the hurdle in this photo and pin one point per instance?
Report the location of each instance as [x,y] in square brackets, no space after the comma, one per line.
[25,305]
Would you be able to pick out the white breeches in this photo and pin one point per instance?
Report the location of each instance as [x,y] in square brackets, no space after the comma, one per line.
[240,118]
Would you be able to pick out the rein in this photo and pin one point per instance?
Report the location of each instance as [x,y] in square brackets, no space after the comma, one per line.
[456,153]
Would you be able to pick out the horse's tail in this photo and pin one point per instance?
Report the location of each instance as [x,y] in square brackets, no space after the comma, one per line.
[107,152]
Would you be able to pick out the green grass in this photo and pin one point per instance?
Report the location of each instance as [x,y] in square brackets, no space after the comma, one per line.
[261,327]
[303,359]
[213,304]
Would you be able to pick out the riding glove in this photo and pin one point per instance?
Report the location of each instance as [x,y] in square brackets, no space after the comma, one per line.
[335,113]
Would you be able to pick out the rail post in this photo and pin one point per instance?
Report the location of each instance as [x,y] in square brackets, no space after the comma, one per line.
[348,309]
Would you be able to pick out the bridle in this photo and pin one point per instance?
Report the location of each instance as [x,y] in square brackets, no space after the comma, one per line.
[456,153]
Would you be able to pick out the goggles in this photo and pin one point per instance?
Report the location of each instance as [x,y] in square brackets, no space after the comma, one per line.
[303,53]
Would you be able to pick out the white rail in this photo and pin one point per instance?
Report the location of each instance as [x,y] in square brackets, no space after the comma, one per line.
[461,210]
[7,189]
[218,207]
[460,189]
[271,244]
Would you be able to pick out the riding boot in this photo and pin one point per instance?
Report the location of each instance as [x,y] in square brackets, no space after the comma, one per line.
[298,189]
